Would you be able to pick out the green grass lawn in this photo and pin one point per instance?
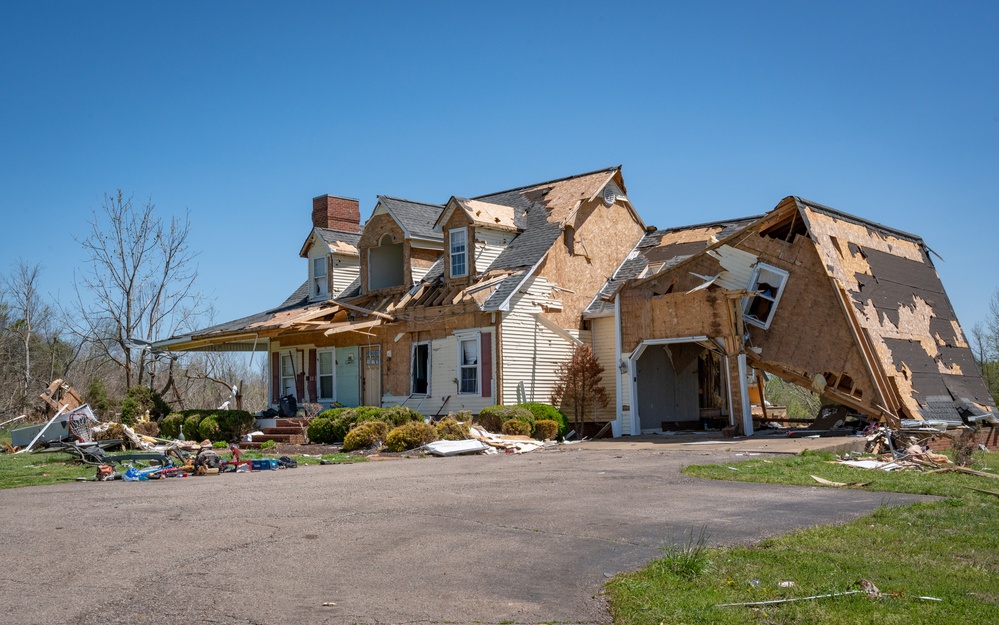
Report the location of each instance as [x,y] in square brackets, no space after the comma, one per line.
[37,469]
[947,549]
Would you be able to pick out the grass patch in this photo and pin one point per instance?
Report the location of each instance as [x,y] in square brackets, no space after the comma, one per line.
[944,549]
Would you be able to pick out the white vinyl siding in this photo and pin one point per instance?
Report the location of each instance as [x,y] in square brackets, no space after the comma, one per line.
[531,352]
[603,345]
[346,269]
[488,245]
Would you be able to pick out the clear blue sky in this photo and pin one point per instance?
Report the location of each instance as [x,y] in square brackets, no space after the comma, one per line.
[241,112]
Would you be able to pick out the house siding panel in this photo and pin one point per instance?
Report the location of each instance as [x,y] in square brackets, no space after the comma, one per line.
[603,345]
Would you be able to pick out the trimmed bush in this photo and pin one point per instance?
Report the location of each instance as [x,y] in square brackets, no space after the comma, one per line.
[492,418]
[365,435]
[544,411]
[545,430]
[332,413]
[449,429]
[234,423]
[209,428]
[191,429]
[516,427]
[352,416]
[410,435]
[170,425]
[320,431]
[399,415]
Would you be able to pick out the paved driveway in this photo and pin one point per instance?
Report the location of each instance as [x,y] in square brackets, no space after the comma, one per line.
[489,539]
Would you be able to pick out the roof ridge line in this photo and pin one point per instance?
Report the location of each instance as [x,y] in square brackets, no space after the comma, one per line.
[538,184]
[402,199]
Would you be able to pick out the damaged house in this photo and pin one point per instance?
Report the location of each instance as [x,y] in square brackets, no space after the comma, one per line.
[850,309]
[440,307]
[474,302]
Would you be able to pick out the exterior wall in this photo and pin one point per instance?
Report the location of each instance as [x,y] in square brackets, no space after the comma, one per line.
[378,226]
[488,244]
[345,270]
[531,351]
[604,235]
[602,341]
[420,261]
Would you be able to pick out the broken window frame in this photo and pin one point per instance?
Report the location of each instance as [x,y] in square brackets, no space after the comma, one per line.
[458,257]
[415,369]
[469,372]
[329,375]
[320,279]
[773,299]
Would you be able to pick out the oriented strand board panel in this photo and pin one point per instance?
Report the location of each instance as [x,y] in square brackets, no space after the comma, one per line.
[646,316]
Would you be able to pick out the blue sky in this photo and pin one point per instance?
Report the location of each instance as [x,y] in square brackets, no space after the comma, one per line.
[242,112]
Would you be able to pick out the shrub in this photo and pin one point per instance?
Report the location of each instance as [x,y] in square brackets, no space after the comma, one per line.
[97,397]
[220,445]
[209,428]
[449,429]
[234,423]
[332,413]
[399,415]
[170,425]
[138,401]
[365,435]
[516,427]
[320,431]
[264,446]
[131,409]
[545,411]
[147,428]
[492,418]
[191,430]
[410,435]
[352,416]
[545,430]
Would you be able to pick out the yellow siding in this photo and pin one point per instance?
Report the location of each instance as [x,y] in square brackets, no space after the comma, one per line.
[603,345]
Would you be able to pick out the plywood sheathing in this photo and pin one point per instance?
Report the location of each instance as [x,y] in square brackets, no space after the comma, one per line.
[902,307]
[608,233]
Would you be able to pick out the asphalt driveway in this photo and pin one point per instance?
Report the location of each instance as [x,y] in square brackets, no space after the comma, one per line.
[485,539]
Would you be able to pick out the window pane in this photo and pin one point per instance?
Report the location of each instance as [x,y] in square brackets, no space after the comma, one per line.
[326,387]
[469,352]
[286,368]
[325,363]
[469,380]
[319,267]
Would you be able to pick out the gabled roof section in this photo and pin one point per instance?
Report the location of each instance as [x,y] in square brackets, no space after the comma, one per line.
[486,214]
[662,249]
[338,241]
[415,218]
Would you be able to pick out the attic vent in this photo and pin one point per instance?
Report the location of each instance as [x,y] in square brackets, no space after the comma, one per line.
[610,195]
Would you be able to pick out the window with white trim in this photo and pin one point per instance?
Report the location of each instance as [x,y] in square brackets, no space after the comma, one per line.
[468,365]
[320,284]
[459,252]
[769,281]
[325,371]
[421,369]
[288,371]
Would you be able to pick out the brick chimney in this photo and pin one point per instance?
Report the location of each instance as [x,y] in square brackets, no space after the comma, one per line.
[337,213]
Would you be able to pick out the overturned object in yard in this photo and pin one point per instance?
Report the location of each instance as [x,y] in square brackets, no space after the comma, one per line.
[456,448]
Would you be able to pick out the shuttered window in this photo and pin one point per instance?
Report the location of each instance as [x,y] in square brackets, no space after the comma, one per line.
[468,365]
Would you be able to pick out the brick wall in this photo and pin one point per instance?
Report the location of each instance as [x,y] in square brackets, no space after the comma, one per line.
[337,213]
[988,436]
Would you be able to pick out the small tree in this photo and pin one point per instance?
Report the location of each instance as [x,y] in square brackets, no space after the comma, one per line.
[577,385]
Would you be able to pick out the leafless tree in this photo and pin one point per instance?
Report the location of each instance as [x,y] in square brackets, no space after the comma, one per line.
[985,346]
[26,310]
[138,282]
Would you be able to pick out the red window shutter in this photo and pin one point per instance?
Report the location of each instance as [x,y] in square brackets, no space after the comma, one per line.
[275,377]
[486,342]
[313,396]
[300,384]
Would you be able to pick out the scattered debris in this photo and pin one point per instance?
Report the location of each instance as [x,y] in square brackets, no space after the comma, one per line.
[826,482]
[454,448]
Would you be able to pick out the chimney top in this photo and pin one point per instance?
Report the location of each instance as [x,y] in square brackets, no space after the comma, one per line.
[336,213]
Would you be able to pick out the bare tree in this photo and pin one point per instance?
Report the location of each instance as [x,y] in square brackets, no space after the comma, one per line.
[138,282]
[577,385]
[985,346]
[26,309]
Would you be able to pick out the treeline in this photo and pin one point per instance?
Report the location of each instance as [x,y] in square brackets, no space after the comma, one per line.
[985,345]
[136,286]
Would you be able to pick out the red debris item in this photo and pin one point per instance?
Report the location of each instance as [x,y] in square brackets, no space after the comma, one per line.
[236,453]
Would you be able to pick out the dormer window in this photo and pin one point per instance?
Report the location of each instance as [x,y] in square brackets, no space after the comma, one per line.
[459,252]
[320,283]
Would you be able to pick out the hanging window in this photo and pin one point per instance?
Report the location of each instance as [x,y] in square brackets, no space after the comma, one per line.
[759,309]
[326,369]
[468,365]
[459,252]
[287,375]
[320,286]
[421,369]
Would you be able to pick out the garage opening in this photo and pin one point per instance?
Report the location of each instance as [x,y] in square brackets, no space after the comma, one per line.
[681,386]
